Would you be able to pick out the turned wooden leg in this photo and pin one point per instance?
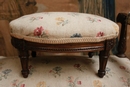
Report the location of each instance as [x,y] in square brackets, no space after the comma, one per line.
[102,63]
[122,18]
[103,57]
[90,54]
[24,62]
[33,54]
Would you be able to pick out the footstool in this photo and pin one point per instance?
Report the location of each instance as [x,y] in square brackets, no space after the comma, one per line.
[63,32]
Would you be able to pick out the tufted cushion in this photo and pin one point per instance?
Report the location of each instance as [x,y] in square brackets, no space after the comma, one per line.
[63,27]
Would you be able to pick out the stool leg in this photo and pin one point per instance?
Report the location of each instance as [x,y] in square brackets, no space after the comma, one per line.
[33,54]
[102,63]
[24,62]
[103,57]
[90,54]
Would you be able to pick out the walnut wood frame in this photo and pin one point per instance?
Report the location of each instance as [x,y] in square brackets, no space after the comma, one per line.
[123,19]
[25,46]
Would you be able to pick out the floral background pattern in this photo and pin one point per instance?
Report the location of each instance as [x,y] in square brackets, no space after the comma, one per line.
[56,71]
[65,71]
[17,83]
[4,74]
[73,82]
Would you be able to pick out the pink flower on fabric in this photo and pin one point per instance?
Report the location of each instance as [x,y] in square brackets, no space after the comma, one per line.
[38,31]
[40,17]
[22,85]
[79,82]
[30,66]
[50,71]
[14,84]
[76,65]
[100,34]
[122,67]
[99,20]
[70,79]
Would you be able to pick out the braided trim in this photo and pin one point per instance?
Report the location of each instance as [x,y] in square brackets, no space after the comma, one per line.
[63,40]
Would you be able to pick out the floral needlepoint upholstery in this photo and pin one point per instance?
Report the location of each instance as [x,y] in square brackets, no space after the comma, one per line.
[63,27]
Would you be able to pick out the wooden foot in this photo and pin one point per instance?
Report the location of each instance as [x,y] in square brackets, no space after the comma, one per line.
[101,73]
[25,73]
[121,55]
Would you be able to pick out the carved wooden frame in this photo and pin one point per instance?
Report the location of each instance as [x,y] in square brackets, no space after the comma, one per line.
[25,46]
[123,19]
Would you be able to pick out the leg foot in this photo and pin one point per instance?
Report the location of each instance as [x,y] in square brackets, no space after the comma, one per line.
[121,55]
[101,73]
[25,73]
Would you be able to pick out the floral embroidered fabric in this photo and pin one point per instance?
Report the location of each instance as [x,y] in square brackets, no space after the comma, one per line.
[63,27]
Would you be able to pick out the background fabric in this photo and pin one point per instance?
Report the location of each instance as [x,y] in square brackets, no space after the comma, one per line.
[12,9]
[65,71]
[92,7]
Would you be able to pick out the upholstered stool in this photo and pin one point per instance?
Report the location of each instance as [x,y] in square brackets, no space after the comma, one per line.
[63,32]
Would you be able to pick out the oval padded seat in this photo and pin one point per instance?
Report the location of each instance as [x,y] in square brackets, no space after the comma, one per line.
[63,27]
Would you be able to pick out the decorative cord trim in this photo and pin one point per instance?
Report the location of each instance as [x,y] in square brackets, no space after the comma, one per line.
[63,40]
